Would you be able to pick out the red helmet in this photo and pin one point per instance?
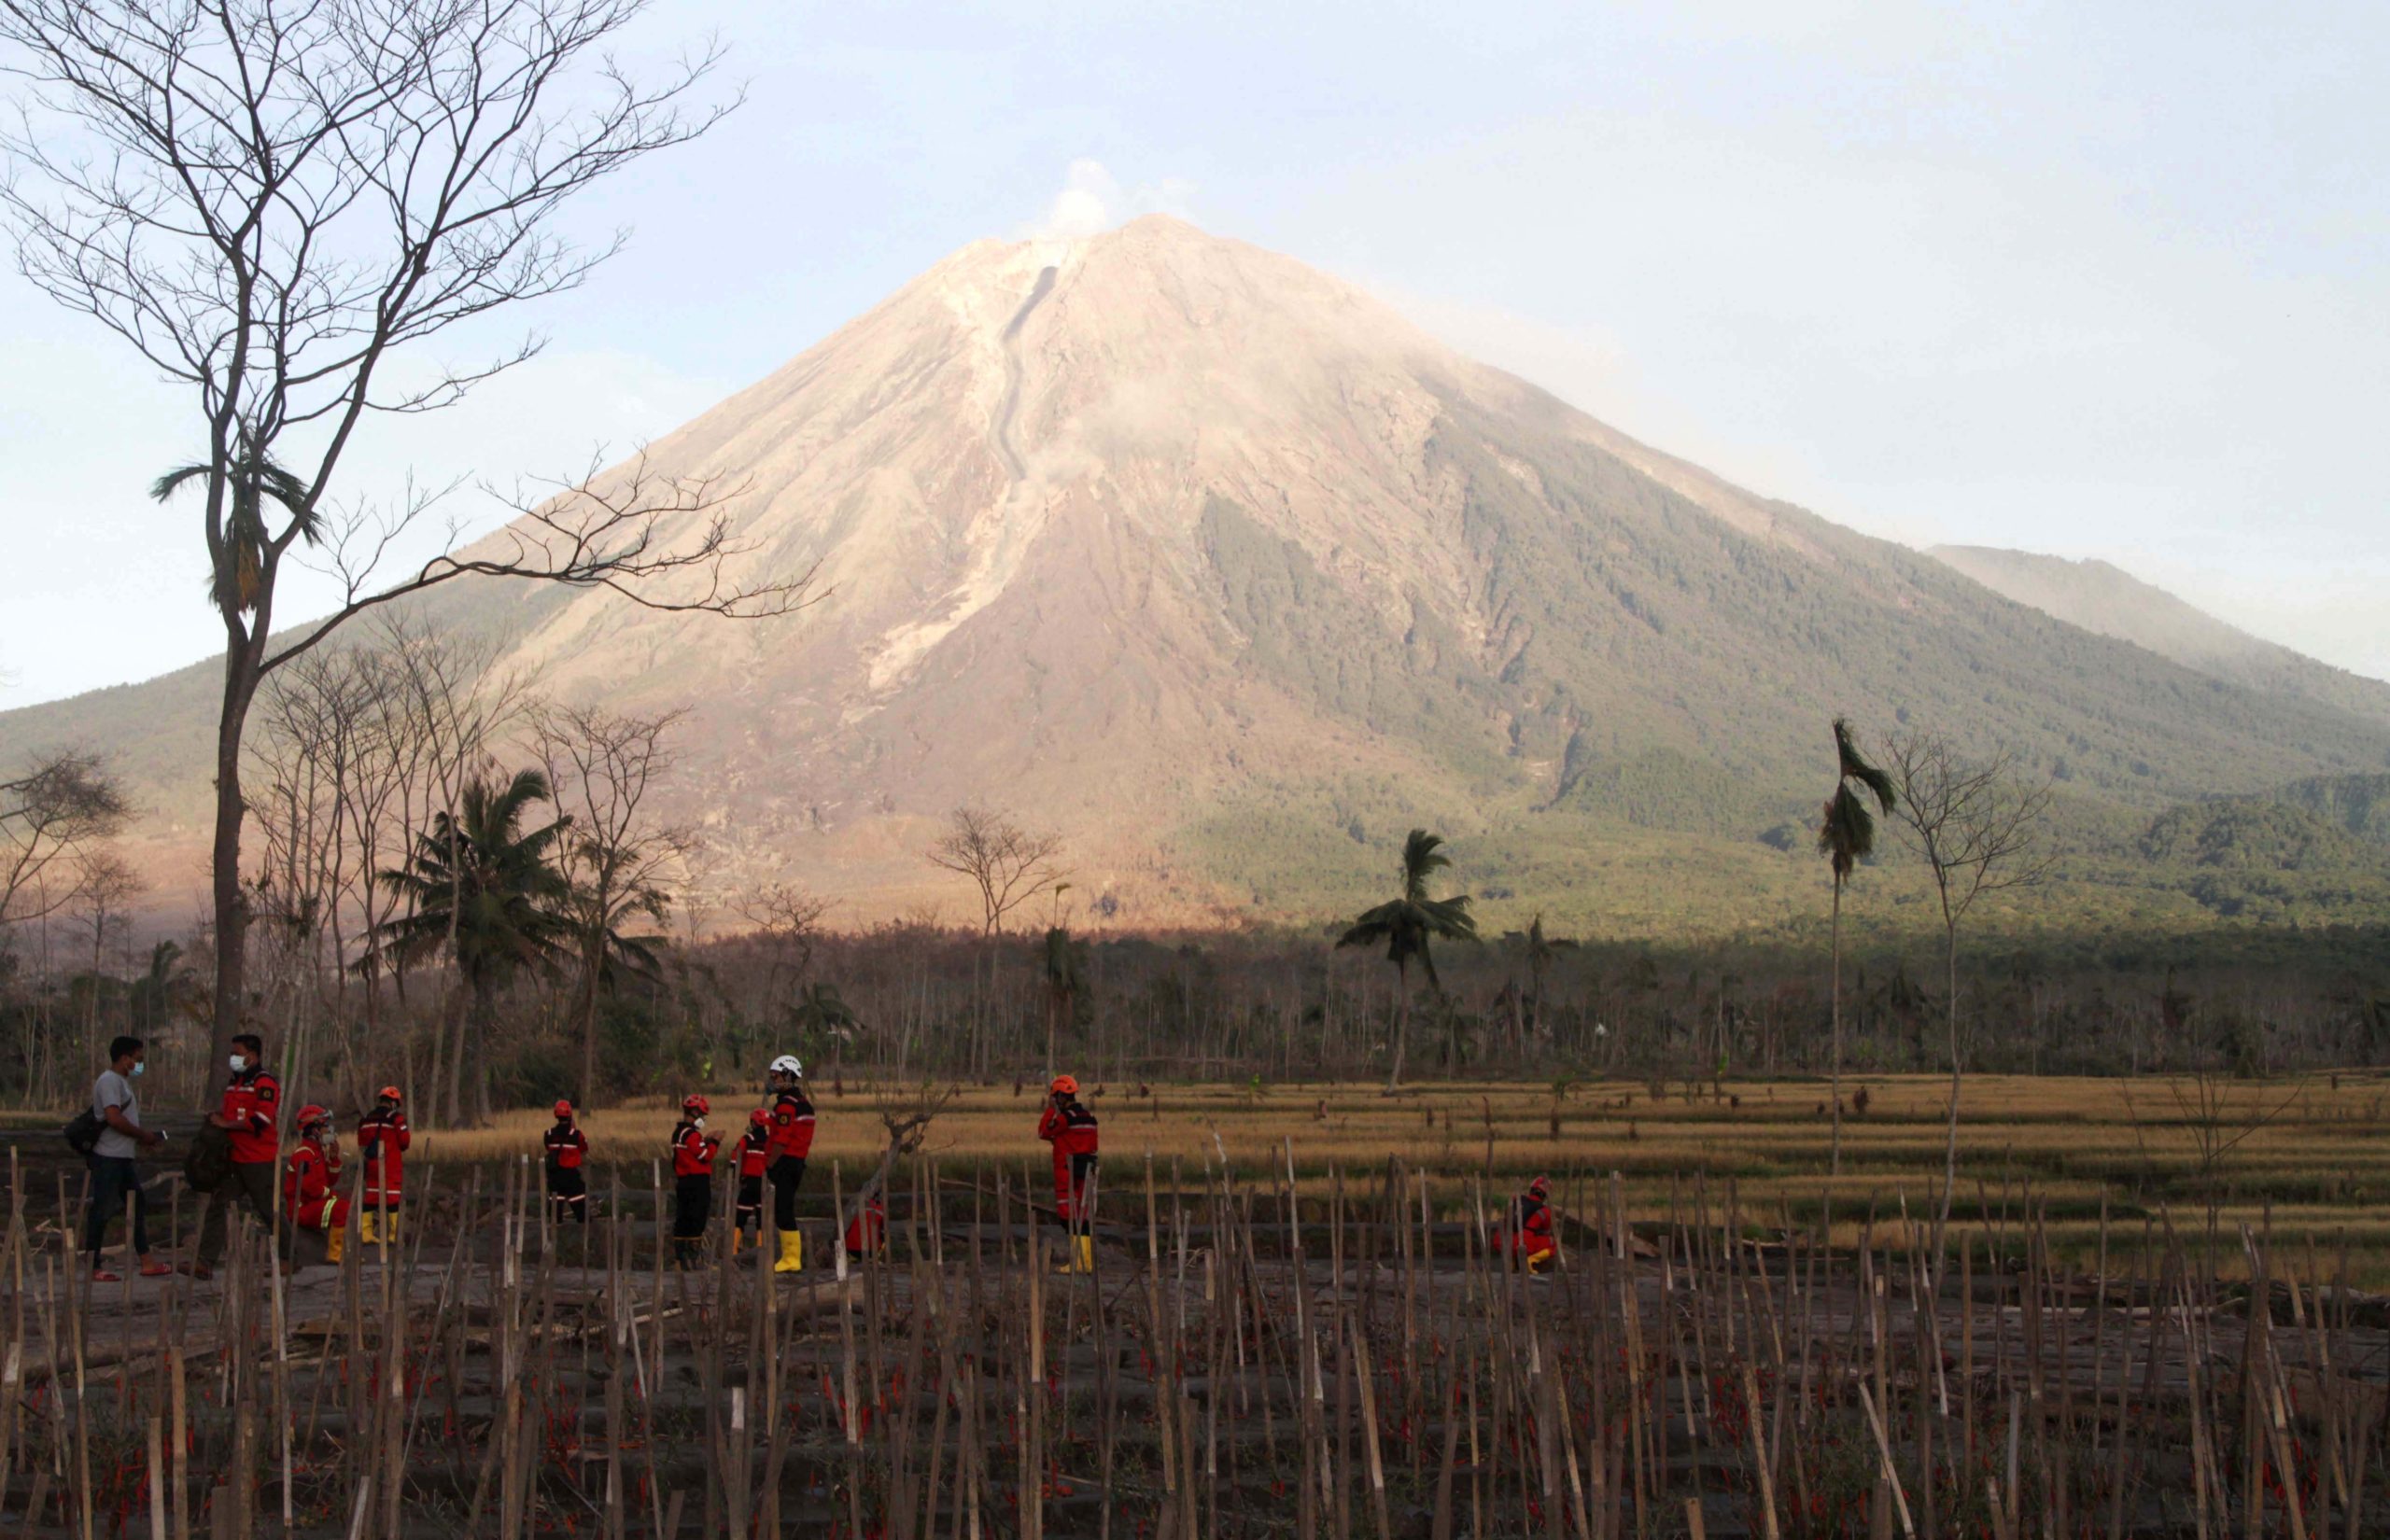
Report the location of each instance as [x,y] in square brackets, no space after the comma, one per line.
[696,1106]
[1064,1085]
[760,1118]
[389,1093]
[564,1108]
[310,1116]
[1540,1186]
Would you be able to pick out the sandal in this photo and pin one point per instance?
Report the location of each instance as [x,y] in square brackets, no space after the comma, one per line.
[101,1275]
[155,1270]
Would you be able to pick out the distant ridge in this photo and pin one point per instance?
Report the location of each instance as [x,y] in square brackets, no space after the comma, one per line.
[2102,597]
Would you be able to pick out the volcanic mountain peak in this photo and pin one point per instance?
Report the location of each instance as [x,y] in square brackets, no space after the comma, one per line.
[1222,568]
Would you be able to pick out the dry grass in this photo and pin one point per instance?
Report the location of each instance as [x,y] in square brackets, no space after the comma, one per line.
[2311,1157]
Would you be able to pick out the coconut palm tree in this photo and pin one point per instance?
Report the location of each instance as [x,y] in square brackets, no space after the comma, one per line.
[820,1012]
[1542,951]
[489,891]
[608,891]
[1065,985]
[1407,925]
[252,480]
[1846,838]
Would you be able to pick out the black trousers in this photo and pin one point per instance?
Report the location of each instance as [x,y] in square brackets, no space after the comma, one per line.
[113,1178]
[249,1185]
[570,1192]
[787,1172]
[692,1206]
[751,1202]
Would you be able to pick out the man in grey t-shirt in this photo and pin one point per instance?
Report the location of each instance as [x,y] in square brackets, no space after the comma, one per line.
[116,1172]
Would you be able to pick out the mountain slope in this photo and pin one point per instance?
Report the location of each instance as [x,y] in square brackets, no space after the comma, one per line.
[2104,598]
[1165,540]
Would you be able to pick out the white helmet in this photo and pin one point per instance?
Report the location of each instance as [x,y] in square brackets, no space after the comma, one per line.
[788,1064]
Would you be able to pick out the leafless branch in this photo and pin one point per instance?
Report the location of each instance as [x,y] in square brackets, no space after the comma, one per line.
[1007,863]
[57,804]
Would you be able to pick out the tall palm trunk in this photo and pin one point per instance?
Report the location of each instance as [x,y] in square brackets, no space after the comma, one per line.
[1836,1168]
[243,653]
[593,962]
[456,1113]
[1401,1026]
[1950,1149]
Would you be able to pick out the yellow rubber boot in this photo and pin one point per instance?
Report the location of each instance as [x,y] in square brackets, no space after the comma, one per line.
[367,1232]
[335,1242]
[1083,1254]
[735,1233]
[791,1254]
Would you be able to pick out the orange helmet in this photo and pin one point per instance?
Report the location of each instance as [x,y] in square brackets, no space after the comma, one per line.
[564,1107]
[1064,1085]
[389,1093]
[310,1116]
[696,1106]
[760,1118]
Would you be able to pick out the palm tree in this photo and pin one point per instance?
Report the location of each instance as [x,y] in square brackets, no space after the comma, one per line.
[482,886]
[153,994]
[821,1011]
[1407,925]
[252,479]
[1846,838]
[1542,952]
[1065,983]
[607,895]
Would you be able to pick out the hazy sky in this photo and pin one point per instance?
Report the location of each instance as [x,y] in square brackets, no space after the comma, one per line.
[2096,279]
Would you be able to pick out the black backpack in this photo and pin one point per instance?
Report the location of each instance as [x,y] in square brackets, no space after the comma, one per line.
[210,1159]
[82,1132]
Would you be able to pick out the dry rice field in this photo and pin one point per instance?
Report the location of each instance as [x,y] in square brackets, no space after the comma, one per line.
[2308,1158]
[1295,1320]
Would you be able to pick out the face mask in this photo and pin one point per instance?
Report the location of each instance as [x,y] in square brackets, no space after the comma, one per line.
[697,1122]
[137,1068]
[240,1062]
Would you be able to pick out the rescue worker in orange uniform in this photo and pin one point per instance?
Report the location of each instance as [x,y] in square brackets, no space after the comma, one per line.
[754,1153]
[868,1231]
[1530,1227]
[310,1176]
[693,1154]
[1070,1128]
[250,1113]
[568,1150]
[382,1141]
[792,1142]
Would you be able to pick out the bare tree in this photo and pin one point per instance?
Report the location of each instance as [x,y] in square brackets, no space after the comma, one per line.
[602,768]
[1008,864]
[1977,827]
[272,202]
[57,805]
[456,702]
[106,886]
[787,923]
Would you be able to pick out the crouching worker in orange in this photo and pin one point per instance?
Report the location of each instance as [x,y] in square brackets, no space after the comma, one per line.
[1530,1230]
[754,1153]
[308,1175]
[868,1231]
[382,1141]
[1070,1128]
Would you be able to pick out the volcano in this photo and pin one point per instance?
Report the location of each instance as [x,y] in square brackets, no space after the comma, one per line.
[1224,570]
